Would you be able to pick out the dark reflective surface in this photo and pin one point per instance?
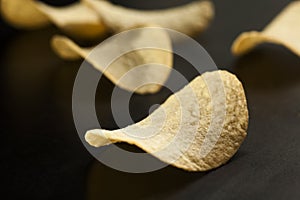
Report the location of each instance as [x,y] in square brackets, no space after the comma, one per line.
[42,156]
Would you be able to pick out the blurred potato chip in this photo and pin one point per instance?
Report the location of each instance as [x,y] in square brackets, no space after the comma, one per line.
[149,58]
[76,20]
[23,14]
[283,30]
[189,19]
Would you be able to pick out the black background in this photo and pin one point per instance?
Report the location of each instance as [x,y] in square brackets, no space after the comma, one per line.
[42,156]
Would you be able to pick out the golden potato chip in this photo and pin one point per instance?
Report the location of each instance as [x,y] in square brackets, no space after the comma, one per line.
[283,30]
[76,20]
[23,14]
[68,49]
[189,19]
[208,115]
[122,66]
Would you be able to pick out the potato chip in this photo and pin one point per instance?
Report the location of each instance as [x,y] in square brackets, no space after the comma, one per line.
[146,57]
[186,124]
[283,30]
[76,20]
[189,19]
[23,14]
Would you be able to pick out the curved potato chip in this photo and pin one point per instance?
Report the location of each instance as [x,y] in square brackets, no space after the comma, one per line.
[23,14]
[189,19]
[181,130]
[121,66]
[283,30]
[68,49]
[76,20]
